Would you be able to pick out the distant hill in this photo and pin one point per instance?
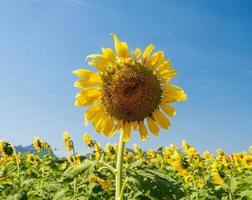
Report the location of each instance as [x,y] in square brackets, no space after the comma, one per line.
[30,149]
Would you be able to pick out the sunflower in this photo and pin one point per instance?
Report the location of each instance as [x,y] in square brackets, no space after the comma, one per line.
[68,141]
[128,91]
[37,144]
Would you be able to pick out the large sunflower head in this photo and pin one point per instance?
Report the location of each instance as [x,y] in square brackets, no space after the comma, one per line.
[128,91]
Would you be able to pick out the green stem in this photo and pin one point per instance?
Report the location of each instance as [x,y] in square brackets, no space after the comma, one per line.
[43,173]
[18,168]
[123,187]
[119,168]
[74,183]
[107,166]
[230,191]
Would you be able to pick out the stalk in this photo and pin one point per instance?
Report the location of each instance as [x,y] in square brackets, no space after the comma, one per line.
[119,163]
[18,167]
[75,187]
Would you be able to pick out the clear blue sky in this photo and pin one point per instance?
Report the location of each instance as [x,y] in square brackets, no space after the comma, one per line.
[208,42]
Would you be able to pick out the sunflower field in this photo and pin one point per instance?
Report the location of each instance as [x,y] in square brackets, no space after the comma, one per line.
[127,92]
[166,173]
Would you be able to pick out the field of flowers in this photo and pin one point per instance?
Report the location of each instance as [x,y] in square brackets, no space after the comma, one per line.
[128,91]
[166,173]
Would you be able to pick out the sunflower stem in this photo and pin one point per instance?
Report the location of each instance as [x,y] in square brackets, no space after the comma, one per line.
[119,164]
[18,167]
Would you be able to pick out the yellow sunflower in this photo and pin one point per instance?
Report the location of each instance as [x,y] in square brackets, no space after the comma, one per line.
[128,91]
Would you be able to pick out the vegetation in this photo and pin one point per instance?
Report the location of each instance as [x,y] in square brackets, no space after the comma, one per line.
[167,173]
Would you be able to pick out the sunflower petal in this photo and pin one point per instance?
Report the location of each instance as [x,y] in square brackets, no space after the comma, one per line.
[92,112]
[155,59]
[136,54]
[172,94]
[108,126]
[153,126]
[109,54]
[143,131]
[121,48]
[91,81]
[147,52]
[161,119]
[97,121]
[126,131]
[168,109]
[135,125]
[98,61]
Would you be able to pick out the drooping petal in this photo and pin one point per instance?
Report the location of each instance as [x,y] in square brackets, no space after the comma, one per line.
[92,112]
[117,126]
[135,125]
[153,126]
[143,131]
[109,124]
[126,131]
[97,121]
[161,119]
[168,109]
[147,53]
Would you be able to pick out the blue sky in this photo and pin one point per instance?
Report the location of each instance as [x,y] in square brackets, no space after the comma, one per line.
[208,42]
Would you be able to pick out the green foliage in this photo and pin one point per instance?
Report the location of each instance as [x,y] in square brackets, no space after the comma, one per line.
[146,176]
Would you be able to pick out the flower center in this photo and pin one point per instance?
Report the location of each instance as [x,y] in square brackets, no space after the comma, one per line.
[130,92]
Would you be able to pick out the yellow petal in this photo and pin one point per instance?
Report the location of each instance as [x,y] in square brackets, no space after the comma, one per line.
[109,54]
[147,52]
[89,92]
[165,65]
[168,109]
[125,50]
[172,94]
[120,123]
[135,125]
[121,48]
[155,59]
[86,101]
[167,77]
[170,87]
[87,97]
[136,54]
[92,112]
[126,131]
[161,119]
[153,126]
[97,121]
[84,73]
[91,81]
[143,131]
[108,126]
[98,61]
[174,98]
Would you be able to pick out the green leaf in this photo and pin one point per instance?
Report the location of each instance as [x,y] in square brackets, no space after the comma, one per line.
[84,170]
[157,184]
[19,196]
[246,195]
[60,195]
